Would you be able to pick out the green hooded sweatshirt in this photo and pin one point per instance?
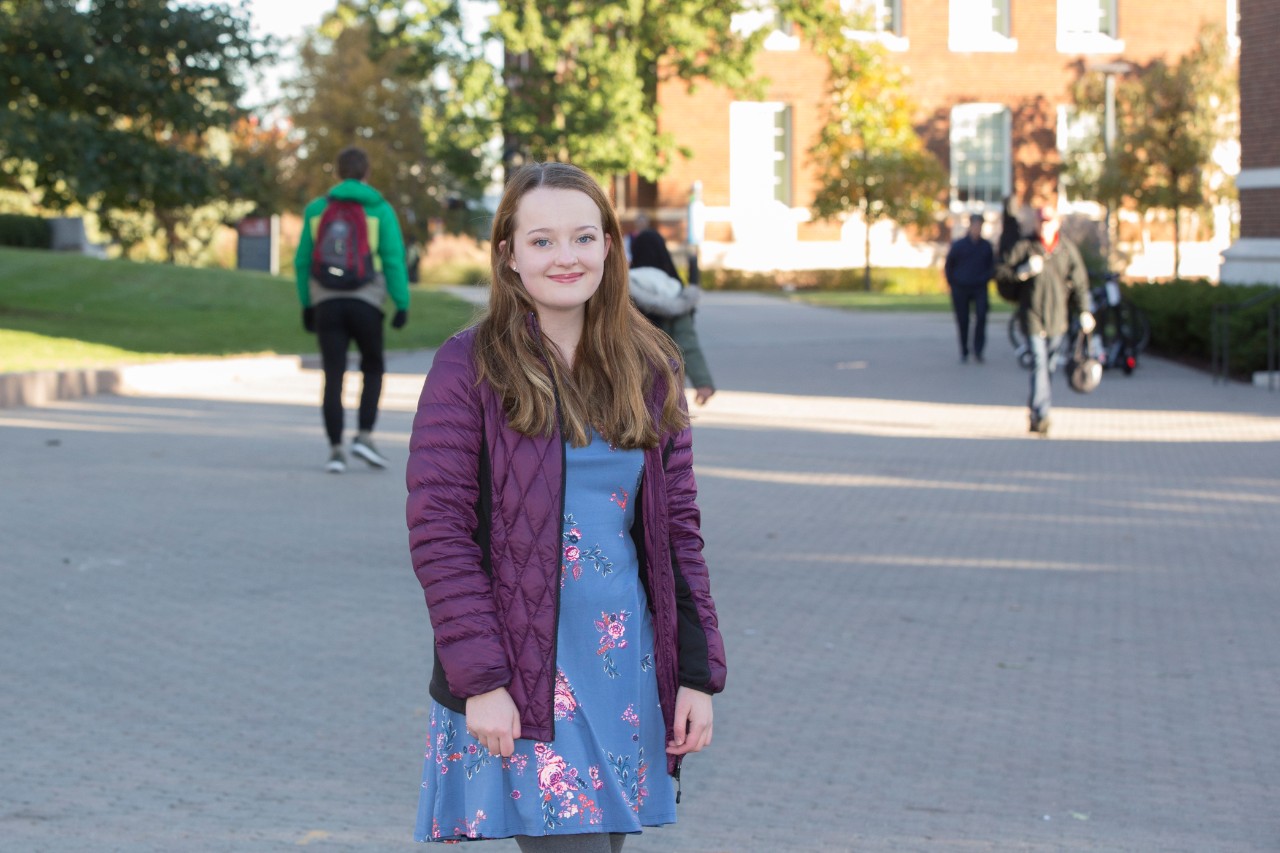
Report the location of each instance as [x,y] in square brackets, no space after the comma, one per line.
[385,242]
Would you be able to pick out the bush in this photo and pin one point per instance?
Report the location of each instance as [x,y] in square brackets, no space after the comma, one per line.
[25,232]
[1181,314]
[891,280]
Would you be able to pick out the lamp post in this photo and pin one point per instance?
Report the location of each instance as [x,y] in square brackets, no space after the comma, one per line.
[1109,71]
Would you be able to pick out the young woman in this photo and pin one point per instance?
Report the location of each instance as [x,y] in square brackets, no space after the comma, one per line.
[554,527]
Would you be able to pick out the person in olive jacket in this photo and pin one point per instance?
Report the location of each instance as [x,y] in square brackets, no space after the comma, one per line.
[1055,288]
[338,317]
[554,528]
[652,267]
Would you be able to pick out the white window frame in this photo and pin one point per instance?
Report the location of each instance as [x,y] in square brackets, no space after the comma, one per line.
[962,114]
[887,32]
[965,35]
[1077,36]
[751,123]
[763,14]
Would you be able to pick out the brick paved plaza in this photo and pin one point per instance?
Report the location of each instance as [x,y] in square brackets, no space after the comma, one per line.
[943,634]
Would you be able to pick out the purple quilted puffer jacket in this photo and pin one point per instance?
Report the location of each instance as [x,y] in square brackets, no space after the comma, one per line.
[484,512]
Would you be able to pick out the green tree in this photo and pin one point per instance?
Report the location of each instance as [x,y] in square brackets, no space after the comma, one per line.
[110,104]
[582,77]
[1170,117]
[362,85]
[868,156]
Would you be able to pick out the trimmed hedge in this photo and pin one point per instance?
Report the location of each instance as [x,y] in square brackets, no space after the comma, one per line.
[892,280]
[24,232]
[1181,314]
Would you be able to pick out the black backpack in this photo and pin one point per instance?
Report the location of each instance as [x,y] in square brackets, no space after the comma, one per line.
[1008,285]
[341,259]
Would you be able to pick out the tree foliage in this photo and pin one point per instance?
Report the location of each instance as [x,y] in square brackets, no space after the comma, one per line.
[868,157]
[392,79]
[582,77]
[1169,121]
[110,103]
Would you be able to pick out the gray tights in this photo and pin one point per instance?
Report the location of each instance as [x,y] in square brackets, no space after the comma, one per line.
[590,842]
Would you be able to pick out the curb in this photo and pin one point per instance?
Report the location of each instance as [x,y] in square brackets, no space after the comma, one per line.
[39,388]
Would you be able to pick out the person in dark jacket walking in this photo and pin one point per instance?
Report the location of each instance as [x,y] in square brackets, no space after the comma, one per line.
[1056,288]
[338,317]
[554,528]
[969,268]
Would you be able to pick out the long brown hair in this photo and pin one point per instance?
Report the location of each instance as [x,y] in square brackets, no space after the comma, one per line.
[619,357]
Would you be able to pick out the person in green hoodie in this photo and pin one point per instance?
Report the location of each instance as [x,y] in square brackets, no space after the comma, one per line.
[338,317]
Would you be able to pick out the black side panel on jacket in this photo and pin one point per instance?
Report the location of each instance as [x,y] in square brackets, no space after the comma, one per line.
[695,670]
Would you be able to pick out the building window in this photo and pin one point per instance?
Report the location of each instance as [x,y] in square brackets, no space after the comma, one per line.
[879,16]
[980,156]
[782,155]
[760,153]
[765,15]
[1088,26]
[876,20]
[980,26]
[1080,139]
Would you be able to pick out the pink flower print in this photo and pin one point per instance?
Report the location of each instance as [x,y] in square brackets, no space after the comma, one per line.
[611,628]
[515,795]
[560,788]
[630,715]
[572,562]
[621,501]
[552,773]
[596,781]
[565,702]
[471,828]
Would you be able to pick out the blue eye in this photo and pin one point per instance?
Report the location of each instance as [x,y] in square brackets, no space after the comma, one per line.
[586,238]
[542,242]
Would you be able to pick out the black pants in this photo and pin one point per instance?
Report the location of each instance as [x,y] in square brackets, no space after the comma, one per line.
[962,296]
[338,323]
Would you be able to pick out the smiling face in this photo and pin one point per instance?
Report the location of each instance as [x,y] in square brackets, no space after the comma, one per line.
[558,248]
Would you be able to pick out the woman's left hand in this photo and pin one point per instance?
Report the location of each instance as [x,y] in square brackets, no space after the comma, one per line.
[693,722]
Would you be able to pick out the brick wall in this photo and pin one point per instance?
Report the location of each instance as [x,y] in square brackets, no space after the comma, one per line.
[1259,114]
[1031,82]
[1259,85]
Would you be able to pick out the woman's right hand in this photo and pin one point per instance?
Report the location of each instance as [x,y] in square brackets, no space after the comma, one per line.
[493,720]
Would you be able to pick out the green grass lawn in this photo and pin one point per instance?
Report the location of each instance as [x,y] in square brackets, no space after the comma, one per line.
[60,311]
[858,300]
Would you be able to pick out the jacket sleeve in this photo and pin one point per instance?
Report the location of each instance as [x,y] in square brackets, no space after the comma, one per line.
[1078,281]
[683,331]
[701,652]
[443,481]
[391,253]
[302,257]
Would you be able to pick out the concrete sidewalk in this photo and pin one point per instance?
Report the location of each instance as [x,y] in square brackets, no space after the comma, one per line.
[943,634]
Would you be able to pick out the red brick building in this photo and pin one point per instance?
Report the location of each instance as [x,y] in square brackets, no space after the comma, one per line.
[1255,257]
[991,78]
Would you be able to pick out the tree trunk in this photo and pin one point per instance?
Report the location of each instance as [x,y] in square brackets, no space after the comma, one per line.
[866,271]
[1177,245]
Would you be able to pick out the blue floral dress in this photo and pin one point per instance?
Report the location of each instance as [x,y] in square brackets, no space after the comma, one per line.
[606,769]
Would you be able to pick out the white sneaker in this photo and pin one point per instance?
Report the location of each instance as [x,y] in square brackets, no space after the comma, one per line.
[337,462]
[363,447]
